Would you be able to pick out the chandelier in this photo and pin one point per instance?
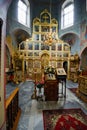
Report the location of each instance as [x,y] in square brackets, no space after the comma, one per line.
[50,37]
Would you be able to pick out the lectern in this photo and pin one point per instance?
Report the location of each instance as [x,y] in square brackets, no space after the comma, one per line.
[61,77]
[51,87]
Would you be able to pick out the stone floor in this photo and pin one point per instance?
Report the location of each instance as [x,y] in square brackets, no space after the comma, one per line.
[31,116]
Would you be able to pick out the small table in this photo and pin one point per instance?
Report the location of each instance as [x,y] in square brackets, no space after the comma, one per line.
[62,79]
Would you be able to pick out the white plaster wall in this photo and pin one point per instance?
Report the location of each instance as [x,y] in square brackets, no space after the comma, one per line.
[4,4]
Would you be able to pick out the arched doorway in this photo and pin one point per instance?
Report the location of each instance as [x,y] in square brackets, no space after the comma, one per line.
[44,60]
[65,66]
[83,61]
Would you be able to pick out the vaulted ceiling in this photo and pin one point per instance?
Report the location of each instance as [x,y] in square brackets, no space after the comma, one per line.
[45,2]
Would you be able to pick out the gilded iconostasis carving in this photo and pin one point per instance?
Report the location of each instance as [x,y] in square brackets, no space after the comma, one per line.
[44,48]
[44,60]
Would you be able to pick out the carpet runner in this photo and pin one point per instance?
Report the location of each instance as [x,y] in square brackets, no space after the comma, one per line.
[64,119]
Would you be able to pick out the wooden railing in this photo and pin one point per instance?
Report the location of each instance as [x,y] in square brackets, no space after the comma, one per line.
[12,110]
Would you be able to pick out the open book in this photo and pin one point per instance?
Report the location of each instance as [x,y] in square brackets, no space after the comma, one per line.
[60,71]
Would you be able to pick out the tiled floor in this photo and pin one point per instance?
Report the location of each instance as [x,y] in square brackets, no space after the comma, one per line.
[36,116]
[32,117]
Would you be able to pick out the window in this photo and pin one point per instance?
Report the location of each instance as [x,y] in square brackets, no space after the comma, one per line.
[24,13]
[67,18]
